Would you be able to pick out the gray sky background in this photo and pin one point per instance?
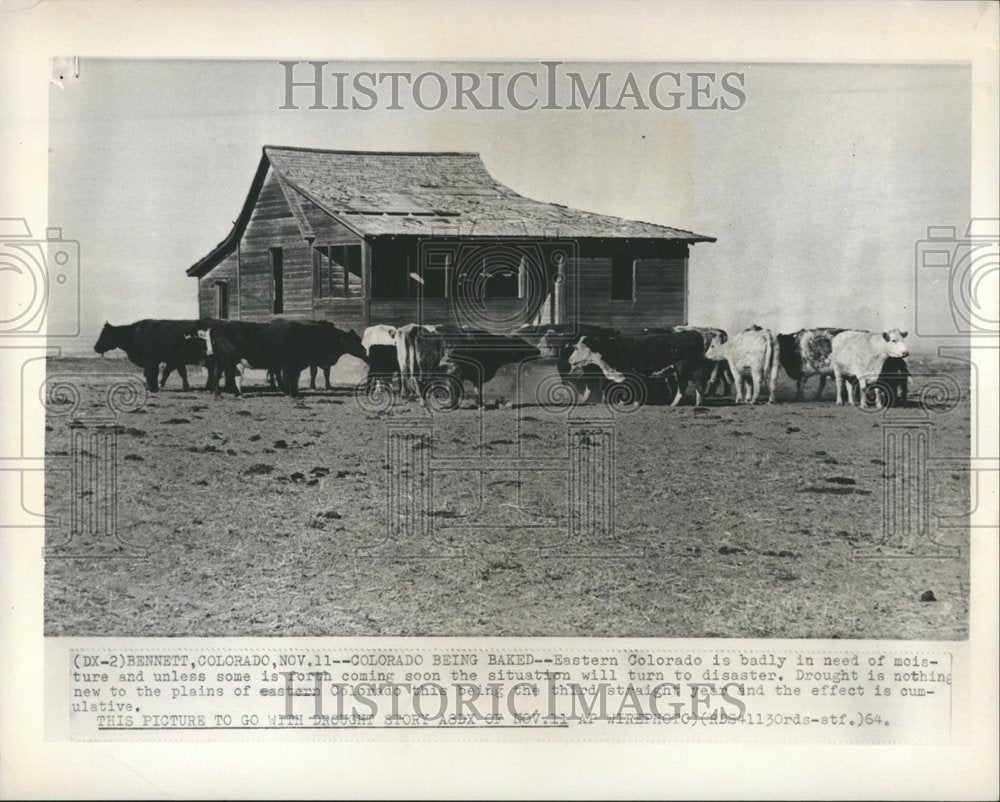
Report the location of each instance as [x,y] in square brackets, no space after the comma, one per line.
[817,189]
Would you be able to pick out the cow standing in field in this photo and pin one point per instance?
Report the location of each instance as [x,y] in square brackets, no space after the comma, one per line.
[862,354]
[452,357]
[807,353]
[406,355]
[669,356]
[379,342]
[717,370]
[750,353]
[148,343]
[558,341]
[374,338]
[285,346]
[892,385]
[714,370]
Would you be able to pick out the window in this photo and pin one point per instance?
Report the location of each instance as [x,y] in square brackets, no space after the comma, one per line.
[394,261]
[502,279]
[622,279]
[337,271]
[436,274]
[277,280]
[222,300]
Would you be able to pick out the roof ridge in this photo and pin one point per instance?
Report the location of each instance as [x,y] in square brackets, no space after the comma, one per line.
[374,152]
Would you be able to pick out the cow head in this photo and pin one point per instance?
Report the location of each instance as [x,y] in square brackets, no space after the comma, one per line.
[583,355]
[715,339]
[352,345]
[206,335]
[716,349]
[108,340]
[895,344]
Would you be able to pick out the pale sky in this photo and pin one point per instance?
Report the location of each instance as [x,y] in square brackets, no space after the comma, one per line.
[817,188]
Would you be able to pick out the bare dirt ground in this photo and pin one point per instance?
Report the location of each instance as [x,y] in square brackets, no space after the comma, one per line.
[268,516]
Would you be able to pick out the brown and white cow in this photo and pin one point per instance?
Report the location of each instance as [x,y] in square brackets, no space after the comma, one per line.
[751,353]
[861,354]
[673,357]
[807,353]
[716,370]
[406,355]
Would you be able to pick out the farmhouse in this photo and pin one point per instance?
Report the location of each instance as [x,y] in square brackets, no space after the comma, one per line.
[361,238]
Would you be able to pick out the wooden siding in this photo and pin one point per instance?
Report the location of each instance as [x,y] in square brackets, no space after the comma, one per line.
[273,226]
[660,296]
[660,290]
[226,270]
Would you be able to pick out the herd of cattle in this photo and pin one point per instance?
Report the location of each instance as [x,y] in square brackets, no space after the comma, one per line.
[420,361]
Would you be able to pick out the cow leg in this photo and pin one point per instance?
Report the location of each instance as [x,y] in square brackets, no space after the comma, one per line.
[737,382]
[800,386]
[290,379]
[863,393]
[822,384]
[679,394]
[713,380]
[699,381]
[152,374]
[167,370]
[758,377]
[838,380]
[183,373]
[312,376]
[326,376]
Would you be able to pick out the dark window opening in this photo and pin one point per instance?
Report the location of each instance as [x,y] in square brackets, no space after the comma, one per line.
[502,279]
[222,300]
[394,270]
[436,274]
[277,280]
[622,279]
[337,271]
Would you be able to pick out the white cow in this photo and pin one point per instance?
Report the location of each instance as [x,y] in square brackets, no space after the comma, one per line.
[407,357]
[380,367]
[752,352]
[861,354]
[379,334]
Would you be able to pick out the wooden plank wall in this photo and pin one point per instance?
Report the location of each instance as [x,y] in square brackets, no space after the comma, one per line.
[660,280]
[226,270]
[272,225]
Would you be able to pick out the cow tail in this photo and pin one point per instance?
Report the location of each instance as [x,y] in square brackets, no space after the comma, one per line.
[774,357]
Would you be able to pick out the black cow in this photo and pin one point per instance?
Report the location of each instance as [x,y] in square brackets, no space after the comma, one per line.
[148,343]
[450,357]
[892,386]
[284,346]
[673,357]
[383,365]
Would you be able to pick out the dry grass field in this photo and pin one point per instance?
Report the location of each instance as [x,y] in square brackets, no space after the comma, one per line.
[268,516]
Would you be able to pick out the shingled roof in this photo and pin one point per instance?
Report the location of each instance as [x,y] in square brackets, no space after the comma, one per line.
[424,194]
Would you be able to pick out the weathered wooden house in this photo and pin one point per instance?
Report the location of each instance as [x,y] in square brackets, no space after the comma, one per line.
[360,238]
